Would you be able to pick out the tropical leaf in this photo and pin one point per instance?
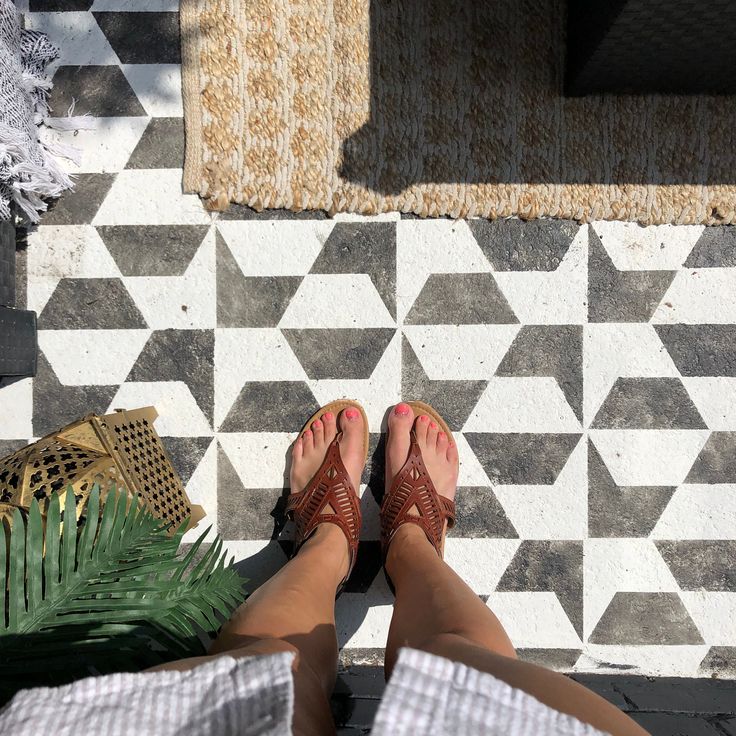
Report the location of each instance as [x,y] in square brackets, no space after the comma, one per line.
[111,595]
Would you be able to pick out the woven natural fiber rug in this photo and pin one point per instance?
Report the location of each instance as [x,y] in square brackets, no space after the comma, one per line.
[436,107]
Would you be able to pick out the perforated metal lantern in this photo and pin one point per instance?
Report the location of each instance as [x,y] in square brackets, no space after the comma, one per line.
[120,450]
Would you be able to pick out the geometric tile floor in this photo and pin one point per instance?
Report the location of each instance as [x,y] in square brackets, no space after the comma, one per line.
[589,372]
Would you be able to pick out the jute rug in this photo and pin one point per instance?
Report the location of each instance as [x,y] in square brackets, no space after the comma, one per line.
[436,107]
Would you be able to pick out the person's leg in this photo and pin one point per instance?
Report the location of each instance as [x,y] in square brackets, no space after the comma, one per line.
[437,612]
[295,610]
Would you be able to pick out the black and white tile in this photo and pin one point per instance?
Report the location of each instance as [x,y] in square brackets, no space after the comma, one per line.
[589,372]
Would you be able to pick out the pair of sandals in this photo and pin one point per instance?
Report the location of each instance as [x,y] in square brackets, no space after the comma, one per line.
[330,497]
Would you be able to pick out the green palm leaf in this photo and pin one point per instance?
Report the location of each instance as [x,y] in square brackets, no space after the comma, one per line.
[110,596]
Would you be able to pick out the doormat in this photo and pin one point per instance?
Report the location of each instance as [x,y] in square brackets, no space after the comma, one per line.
[437,108]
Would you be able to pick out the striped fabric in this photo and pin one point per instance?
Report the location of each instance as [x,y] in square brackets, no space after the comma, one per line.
[432,695]
[252,696]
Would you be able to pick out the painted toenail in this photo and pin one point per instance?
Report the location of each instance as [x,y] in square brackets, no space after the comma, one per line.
[423,418]
[432,425]
[351,414]
[327,415]
[442,436]
[308,433]
[401,409]
[316,424]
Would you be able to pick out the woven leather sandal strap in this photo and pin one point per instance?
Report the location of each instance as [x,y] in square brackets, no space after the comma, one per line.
[330,488]
[413,499]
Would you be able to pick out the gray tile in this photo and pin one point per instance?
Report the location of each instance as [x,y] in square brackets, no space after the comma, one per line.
[716,462]
[368,564]
[186,453]
[522,458]
[79,206]
[701,350]
[271,406]
[249,301]
[719,662]
[454,400]
[55,405]
[648,403]
[460,299]
[142,38]
[480,515]
[8,447]
[699,564]
[557,566]
[180,355]
[715,248]
[621,296]
[101,91]
[621,511]
[363,247]
[161,146]
[517,245]
[152,250]
[58,6]
[605,686]
[549,350]
[243,212]
[90,304]
[339,353]
[675,724]
[684,694]
[644,619]
[559,660]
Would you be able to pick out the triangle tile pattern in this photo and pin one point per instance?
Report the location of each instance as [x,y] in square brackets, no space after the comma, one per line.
[701,564]
[186,453]
[79,206]
[138,38]
[157,250]
[461,298]
[180,355]
[358,247]
[701,350]
[513,245]
[249,301]
[621,511]
[621,296]
[717,460]
[160,147]
[481,515]
[454,400]
[716,248]
[554,350]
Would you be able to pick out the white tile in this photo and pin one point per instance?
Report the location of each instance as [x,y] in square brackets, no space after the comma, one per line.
[649,457]
[657,661]
[180,302]
[336,300]
[77,36]
[100,357]
[104,147]
[464,352]
[64,251]
[632,247]
[699,511]
[202,490]
[432,246]
[480,562]
[715,399]
[558,511]
[714,613]
[522,405]
[16,407]
[250,355]
[614,350]
[158,87]
[361,622]
[136,6]
[150,197]
[276,247]
[706,295]
[534,620]
[259,458]
[613,565]
[471,472]
[556,297]
[178,412]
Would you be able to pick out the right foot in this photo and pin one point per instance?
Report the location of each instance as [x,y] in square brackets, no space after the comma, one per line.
[438,453]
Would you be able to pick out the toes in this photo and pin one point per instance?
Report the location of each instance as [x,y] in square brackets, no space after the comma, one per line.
[432,432]
[351,442]
[421,426]
[318,432]
[400,421]
[330,426]
[451,454]
[308,440]
[442,442]
[297,451]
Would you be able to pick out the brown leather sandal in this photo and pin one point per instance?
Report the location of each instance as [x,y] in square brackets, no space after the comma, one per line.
[330,487]
[413,488]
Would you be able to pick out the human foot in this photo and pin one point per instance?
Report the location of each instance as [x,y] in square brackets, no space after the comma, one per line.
[440,460]
[332,496]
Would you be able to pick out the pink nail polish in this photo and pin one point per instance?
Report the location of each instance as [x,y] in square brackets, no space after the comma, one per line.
[442,436]
[423,418]
[307,433]
[401,410]
[351,413]
[316,423]
[327,415]
[432,425]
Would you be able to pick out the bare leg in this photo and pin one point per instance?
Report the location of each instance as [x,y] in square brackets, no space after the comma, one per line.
[437,612]
[295,610]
